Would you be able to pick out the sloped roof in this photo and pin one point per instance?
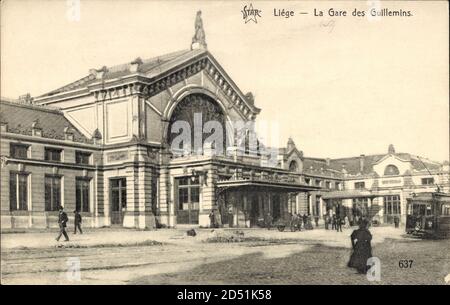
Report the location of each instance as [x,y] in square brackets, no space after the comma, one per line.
[352,164]
[20,117]
[149,68]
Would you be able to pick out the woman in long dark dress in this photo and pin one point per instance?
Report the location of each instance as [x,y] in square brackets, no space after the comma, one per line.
[362,249]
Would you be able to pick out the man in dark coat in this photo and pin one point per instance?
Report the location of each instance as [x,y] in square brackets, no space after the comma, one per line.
[396,221]
[78,221]
[362,249]
[62,221]
[339,223]
[269,220]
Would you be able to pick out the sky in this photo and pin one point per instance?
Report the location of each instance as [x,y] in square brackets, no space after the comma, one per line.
[339,86]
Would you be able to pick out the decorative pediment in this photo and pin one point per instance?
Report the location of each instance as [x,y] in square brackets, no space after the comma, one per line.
[146,88]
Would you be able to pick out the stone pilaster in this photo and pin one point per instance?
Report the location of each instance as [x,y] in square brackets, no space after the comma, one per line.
[208,195]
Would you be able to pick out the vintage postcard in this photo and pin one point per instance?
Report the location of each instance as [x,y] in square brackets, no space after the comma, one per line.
[225,143]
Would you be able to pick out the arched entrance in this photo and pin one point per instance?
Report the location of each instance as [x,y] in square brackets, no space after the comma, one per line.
[194,112]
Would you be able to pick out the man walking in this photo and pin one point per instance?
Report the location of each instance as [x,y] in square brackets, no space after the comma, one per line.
[316,220]
[62,221]
[326,218]
[78,221]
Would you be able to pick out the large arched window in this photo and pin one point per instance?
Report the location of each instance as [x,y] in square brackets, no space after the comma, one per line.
[391,170]
[189,110]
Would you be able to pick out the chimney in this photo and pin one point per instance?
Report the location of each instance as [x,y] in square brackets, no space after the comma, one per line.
[361,163]
[135,64]
[327,160]
[391,149]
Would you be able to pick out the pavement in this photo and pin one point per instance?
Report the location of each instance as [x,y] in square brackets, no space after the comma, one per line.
[110,237]
[169,256]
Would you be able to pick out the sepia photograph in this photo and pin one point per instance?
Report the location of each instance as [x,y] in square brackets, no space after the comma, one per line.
[225,144]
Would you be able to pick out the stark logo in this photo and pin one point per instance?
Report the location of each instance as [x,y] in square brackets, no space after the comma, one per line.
[249,13]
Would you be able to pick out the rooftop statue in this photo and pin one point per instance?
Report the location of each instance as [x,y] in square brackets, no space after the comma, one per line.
[198,40]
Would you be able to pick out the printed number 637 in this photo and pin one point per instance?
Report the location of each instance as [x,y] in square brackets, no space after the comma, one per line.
[405,263]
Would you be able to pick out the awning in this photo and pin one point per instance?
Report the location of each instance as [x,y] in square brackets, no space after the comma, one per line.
[348,194]
[266,184]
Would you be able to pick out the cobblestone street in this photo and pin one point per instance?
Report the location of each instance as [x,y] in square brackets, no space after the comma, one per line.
[118,256]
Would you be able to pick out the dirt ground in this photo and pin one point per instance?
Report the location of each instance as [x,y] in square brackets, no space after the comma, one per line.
[168,256]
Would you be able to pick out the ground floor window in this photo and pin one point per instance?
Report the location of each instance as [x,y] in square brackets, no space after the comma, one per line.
[391,205]
[18,191]
[52,193]
[82,194]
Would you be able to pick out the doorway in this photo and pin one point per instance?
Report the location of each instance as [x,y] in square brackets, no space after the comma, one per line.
[118,199]
[188,199]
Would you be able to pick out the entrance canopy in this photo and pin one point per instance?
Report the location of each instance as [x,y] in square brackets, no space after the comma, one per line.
[265,184]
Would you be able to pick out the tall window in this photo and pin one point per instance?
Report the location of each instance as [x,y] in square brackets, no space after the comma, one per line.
[53,154]
[18,150]
[82,157]
[82,194]
[337,186]
[428,181]
[360,185]
[18,191]
[328,185]
[391,205]
[188,193]
[52,193]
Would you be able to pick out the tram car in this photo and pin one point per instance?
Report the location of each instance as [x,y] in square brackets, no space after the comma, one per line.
[428,215]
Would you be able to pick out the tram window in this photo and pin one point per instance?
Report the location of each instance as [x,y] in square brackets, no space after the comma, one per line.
[446,209]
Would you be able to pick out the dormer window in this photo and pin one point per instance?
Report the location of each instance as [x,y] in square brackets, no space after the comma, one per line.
[293,166]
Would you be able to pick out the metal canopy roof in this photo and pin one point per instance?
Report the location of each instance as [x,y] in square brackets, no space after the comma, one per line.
[266,184]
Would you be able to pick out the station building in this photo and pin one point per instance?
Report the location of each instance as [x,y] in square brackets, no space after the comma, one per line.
[103,145]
